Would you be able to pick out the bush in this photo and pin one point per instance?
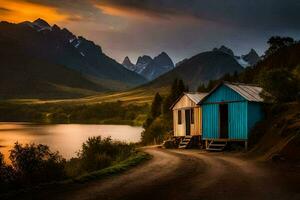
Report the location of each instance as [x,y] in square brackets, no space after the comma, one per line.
[36,163]
[7,175]
[98,153]
[156,133]
[170,144]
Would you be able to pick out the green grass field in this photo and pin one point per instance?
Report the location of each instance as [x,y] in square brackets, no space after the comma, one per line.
[134,96]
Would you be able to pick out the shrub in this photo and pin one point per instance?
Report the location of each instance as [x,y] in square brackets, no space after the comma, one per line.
[7,175]
[156,132]
[170,144]
[98,153]
[36,163]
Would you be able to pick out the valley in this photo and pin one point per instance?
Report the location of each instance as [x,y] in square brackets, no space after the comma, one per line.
[159,99]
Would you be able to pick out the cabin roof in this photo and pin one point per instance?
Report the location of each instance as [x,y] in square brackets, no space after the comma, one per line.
[195,97]
[249,92]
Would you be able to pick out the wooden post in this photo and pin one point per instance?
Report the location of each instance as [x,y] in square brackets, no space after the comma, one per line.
[246,145]
[206,144]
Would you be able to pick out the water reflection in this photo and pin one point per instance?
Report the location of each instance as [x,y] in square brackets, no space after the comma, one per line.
[65,138]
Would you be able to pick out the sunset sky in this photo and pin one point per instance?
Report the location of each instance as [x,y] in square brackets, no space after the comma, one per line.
[182,28]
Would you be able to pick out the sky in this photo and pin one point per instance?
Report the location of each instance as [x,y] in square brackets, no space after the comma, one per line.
[182,28]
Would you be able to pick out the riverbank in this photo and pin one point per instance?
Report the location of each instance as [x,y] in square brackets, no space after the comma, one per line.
[98,113]
[116,169]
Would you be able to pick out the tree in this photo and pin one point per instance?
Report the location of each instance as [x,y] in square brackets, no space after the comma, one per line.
[281,85]
[177,89]
[156,106]
[157,125]
[201,88]
[276,42]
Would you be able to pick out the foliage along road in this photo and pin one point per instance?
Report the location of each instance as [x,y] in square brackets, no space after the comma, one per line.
[191,174]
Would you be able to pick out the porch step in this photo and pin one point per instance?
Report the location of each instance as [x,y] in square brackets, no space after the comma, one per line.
[216,146]
[214,149]
[185,142]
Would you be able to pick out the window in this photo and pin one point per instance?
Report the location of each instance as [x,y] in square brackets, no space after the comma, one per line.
[179,117]
[192,116]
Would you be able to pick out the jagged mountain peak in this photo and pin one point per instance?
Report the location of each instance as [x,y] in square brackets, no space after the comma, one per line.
[224,49]
[127,59]
[150,68]
[163,54]
[40,22]
[128,64]
[253,52]
[252,57]
[143,59]
[244,60]
[39,25]
[164,61]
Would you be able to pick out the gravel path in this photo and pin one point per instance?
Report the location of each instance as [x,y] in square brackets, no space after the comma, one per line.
[190,174]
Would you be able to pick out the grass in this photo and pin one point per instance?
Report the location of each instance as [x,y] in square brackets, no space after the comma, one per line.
[134,96]
[115,169]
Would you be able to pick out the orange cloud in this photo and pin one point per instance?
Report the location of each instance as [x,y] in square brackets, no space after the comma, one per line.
[123,11]
[18,11]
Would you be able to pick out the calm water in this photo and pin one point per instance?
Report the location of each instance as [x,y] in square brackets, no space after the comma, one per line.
[65,138]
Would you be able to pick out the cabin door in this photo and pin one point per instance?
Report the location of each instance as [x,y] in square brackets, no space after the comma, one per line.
[223,110]
[187,122]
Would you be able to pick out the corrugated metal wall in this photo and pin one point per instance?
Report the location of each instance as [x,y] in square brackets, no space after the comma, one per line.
[223,93]
[237,114]
[255,114]
[237,120]
[210,121]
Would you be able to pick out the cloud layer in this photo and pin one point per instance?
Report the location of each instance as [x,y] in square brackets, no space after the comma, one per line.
[180,27]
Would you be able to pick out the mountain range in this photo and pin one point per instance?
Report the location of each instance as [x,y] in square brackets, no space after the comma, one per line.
[54,46]
[247,60]
[148,67]
[42,61]
[199,69]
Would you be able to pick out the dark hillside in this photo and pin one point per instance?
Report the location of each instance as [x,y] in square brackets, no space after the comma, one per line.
[278,136]
[287,57]
[22,76]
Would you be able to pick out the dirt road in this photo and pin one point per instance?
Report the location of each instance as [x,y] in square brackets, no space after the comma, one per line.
[191,174]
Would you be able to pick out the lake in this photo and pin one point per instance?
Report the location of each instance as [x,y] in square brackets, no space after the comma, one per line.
[65,138]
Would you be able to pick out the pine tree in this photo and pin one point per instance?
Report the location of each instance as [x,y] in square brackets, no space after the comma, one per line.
[156,106]
[177,90]
[201,88]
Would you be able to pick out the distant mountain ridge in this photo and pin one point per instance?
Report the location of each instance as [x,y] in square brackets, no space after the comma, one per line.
[199,69]
[60,46]
[148,67]
[247,60]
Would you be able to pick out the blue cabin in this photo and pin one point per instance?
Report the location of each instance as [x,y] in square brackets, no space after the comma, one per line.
[229,112]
